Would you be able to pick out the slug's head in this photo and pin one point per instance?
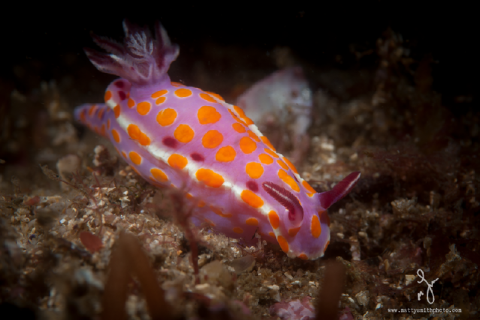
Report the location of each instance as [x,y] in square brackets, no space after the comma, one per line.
[302,229]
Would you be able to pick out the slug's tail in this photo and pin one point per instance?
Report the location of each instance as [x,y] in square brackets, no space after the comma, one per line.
[141,58]
[340,190]
[94,116]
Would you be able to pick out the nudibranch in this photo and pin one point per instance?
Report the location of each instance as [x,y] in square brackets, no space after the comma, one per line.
[183,137]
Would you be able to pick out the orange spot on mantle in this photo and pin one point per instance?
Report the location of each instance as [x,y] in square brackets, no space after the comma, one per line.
[177,161]
[184,133]
[143,108]
[270,152]
[265,158]
[226,154]
[247,145]
[283,243]
[135,158]
[208,115]
[267,142]
[251,199]
[238,230]
[308,186]
[212,139]
[303,256]
[238,127]
[115,136]
[274,219]
[160,100]
[219,97]
[166,117]
[159,175]
[207,97]
[292,167]
[253,136]
[252,221]
[288,180]
[254,170]
[183,93]
[158,94]
[292,232]
[315,227]
[209,177]
[108,95]
[219,212]
[116,111]
[282,164]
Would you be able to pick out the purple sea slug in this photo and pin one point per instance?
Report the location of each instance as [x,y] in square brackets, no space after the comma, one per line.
[183,137]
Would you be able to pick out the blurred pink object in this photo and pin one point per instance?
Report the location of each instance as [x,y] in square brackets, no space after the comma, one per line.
[281,106]
[294,310]
[346,314]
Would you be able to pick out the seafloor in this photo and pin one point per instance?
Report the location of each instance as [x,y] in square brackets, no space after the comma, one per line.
[381,107]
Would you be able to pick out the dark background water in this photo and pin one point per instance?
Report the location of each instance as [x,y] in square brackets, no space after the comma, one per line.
[45,42]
